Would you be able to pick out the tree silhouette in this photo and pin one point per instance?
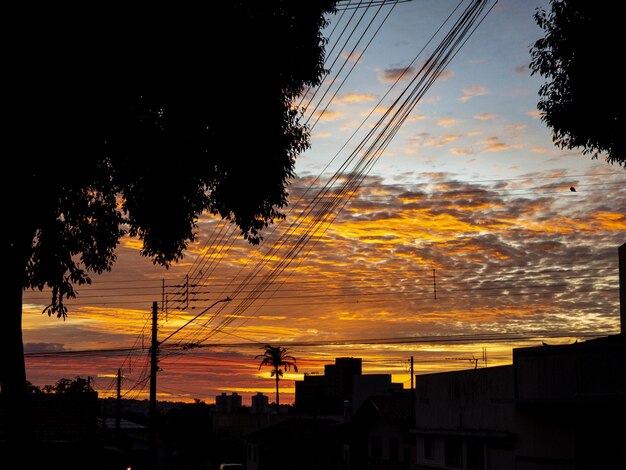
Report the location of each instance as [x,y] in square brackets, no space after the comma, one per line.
[277,358]
[577,55]
[72,386]
[136,125]
[31,388]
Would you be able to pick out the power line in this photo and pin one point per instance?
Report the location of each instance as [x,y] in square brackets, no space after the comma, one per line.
[323,212]
[353,282]
[456,338]
[368,4]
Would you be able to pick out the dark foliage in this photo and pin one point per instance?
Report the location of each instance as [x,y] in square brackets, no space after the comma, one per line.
[578,56]
[139,124]
[121,121]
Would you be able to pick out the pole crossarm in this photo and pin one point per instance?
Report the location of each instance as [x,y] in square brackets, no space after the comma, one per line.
[227,299]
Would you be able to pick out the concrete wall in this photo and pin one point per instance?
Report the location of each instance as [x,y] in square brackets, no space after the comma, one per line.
[555,408]
[588,372]
[480,399]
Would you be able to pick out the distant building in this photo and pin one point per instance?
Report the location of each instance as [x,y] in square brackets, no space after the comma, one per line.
[228,403]
[342,385]
[260,404]
[338,377]
[310,396]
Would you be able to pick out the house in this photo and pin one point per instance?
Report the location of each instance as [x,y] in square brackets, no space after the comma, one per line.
[464,419]
[379,434]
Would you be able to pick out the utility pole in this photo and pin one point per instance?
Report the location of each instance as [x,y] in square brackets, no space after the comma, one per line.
[154,351]
[412,372]
[435,283]
[412,400]
[118,403]
[154,368]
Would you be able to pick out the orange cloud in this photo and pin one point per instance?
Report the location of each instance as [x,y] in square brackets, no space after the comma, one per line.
[472,92]
[612,221]
[419,224]
[534,114]
[329,115]
[484,116]
[515,127]
[132,243]
[349,125]
[493,144]
[446,122]
[351,56]
[538,150]
[445,75]
[376,110]
[442,140]
[461,151]
[357,98]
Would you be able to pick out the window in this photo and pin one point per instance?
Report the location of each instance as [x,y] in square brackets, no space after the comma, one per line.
[429,447]
[452,452]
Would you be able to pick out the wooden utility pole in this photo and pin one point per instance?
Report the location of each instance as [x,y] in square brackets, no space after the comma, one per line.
[154,351]
[412,377]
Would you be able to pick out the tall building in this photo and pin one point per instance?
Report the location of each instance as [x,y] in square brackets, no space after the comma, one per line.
[260,404]
[343,387]
[227,403]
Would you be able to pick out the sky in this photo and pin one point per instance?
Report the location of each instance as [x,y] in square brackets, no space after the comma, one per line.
[463,240]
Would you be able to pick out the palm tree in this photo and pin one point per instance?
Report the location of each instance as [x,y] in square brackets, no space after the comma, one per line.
[277,358]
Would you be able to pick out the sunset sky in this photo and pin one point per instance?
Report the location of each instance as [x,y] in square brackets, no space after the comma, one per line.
[463,239]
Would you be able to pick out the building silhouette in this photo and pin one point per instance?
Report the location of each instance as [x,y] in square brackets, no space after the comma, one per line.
[341,390]
[260,404]
[228,403]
